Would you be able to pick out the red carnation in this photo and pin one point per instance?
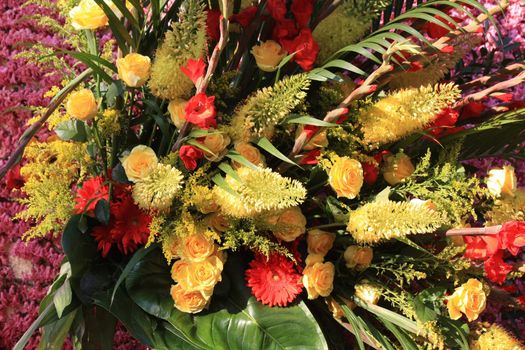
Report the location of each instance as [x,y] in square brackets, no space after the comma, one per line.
[481,247]
[306,48]
[496,269]
[200,110]
[512,236]
[213,18]
[273,280]
[277,9]
[87,196]
[194,69]
[189,156]
[285,29]
[302,11]
[245,17]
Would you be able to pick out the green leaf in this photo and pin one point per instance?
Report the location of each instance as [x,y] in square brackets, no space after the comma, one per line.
[265,144]
[237,157]
[219,181]
[234,320]
[99,328]
[229,171]
[115,90]
[39,322]
[199,145]
[54,335]
[102,211]
[72,130]
[406,342]
[118,30]
[308,121]
[62,297]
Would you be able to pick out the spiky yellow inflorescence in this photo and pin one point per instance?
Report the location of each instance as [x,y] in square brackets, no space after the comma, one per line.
[158,189]
[385,219]
[255,191]
[186,40]
[49,173]
[438,65]
[345,25]
[404,112]
[497,338]
[507,208]
[267,107]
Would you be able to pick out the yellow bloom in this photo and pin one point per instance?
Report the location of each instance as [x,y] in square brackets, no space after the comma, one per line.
[218,222]
[249,152]
[197,247]
[159,188]
[346,177]
[216,143]
[82,105]
[367,292]
[189,302]
[319,242]
[469,299]
[268,55]
[134,69]
[179,270]
[318,279]
[502,181]
[358,257]
[203,275]
[88,15]
[176,110]
[397,168]
[290,224]
[312,259]
[139,163]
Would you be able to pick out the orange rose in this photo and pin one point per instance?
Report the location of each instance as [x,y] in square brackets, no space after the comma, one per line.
[134,69]
[318,279]
[197,247]
[319,242]
[358,257]
[203,275]
[139,163]
[189,302]
[397,168]
[216,142]
[469,299]
[82,105]
[502,181]
[268,55]
[251,153]
[179,270]
[290,224]
[176,110]
[367,292]
[218,222]
[346,177]
[87,15]
[312,259]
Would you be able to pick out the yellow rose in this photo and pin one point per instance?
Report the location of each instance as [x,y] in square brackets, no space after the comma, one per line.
[176,110]
[197,247]
[469,299]
[268,55]
[367,292]
[319,242]
[134,69]
[88,15]
[189,302]
[203,275]
[318,279]
[290,224]
[216,143]
[82,105]
[502,181]
[312,259]
[179,270]
[346,177]
[358,257]
[397,168]
[251,153]
[139,163]
[218,222]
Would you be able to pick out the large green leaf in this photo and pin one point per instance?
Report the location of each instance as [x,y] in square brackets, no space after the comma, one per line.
[234,320]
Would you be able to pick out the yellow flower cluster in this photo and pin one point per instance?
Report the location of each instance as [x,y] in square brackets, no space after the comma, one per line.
[196,272]
[158,190]
[497,338]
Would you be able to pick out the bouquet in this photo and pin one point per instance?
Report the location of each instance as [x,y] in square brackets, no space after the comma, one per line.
[274,174]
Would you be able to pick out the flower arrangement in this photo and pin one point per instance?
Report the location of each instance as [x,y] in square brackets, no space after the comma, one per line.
[272,169]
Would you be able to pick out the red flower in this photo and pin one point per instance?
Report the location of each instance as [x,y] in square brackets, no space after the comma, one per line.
[128,225]
[306,48]
[370,172]
[285,29]
[436,31]
[89,194]
[496,269]
[310,130]
[415,66]
[521,301]
[200,111]
[445,119]
[194,69]
[512,236]
[472,110]
[481,247]
[13,179]
[277,9]
[213,18]
[505,97]
[245,17]
[273,280]
[302,11]
[189,156]
[310,158]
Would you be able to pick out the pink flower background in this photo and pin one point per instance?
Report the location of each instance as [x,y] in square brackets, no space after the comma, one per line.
[27,269]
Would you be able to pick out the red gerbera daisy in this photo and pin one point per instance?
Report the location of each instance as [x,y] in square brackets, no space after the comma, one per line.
[273,280]
[89,194]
